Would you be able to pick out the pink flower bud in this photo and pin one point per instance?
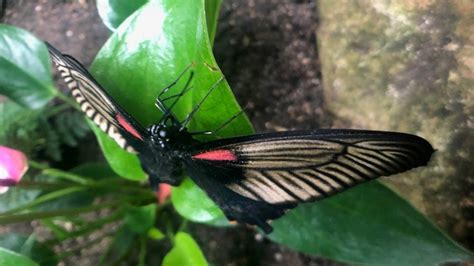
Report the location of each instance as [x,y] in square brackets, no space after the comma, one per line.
[13,165]
[164,191]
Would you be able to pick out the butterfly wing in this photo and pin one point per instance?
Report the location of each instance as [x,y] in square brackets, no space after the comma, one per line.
[256,178]
[97,105]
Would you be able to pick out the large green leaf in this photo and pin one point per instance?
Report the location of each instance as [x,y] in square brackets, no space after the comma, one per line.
[25,71]
[114,12]
[138,61]
[212,9]
[28,246]
[10,258]
[16,197]
[369,224]
[185,252]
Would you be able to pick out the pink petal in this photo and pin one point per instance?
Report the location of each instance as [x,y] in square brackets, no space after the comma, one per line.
[164,191]
[13,165]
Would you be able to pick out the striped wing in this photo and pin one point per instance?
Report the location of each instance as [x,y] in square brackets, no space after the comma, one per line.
[97,105]
[256,178]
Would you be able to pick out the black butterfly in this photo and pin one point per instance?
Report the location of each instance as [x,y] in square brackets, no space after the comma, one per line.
[252,178]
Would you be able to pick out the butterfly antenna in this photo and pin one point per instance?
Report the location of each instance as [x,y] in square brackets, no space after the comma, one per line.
[167,111]
[190,115]
[159,103]
[221,126]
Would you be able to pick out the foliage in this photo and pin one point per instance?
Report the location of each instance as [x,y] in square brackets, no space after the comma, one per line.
[367,225]
[40,131]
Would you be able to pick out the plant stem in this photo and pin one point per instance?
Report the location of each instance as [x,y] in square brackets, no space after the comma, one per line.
[60,174]
[27,184]
[68,100]
[45,198]
[142,252]
[57,109]
[90,227]
[7,219]
[72,251]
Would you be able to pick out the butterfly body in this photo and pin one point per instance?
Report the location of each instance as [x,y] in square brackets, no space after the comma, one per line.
[255,178]
[162,153]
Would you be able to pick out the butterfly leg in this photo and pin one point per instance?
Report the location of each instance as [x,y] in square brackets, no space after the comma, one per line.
[212,132]
[190,115]
[167,88]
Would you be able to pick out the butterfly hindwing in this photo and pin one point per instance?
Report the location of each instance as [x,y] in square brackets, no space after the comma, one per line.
[256,178]
[96,104]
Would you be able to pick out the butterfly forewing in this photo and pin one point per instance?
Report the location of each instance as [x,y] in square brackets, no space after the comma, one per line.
[292,167]
[96,104]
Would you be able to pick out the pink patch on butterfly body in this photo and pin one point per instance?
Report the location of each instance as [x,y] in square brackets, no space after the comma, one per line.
[216,155]
[129,128]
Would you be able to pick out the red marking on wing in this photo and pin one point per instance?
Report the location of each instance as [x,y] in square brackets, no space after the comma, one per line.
[129,128]
[216,155]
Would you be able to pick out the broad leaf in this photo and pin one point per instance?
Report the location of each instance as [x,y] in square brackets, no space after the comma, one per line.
[185,252]
[212,14]
[368,225]
[28,246]
[16,197]
[114,12]
[25,71]
[203,210]
[10,258]
[138,61]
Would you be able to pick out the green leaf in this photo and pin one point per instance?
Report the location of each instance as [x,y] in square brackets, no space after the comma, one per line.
[193,204]
[10,258]
[368,225]
[16,197]
[156,234]
[25,71]
[141,219]
[28,246]
[114,12]
[138,61]
[212,14]
[185,252]
[123,163]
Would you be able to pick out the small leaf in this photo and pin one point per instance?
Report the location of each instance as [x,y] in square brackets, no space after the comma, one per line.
[114,12]
[193,204]
[155,233]
[368,224]
[10,258]
[25,71]
[141,219]
[185,252]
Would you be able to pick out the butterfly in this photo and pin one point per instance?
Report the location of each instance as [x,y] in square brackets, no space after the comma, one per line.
[254,178]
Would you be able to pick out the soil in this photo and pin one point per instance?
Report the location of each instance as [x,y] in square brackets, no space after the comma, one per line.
[268,53]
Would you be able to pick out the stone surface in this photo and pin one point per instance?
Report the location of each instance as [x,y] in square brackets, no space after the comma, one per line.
[408,66]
